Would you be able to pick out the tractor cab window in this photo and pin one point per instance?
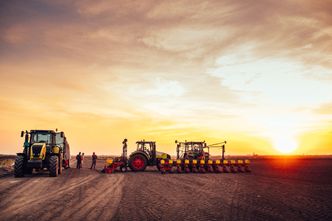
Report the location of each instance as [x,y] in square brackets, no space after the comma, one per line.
[141,146]
[59,140]
[146,147]
[196,147]
[41,138]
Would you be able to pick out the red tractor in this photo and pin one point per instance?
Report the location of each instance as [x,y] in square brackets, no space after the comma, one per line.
[145,155]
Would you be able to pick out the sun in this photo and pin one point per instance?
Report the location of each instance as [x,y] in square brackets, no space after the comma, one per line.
[285,145]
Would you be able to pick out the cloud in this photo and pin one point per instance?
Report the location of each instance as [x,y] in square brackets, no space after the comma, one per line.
[324,109]
[191,32]
[206,67]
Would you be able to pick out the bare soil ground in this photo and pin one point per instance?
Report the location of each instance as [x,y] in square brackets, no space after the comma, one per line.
[279,189]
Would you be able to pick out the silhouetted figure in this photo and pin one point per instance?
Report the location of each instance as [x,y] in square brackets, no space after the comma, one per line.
[82,160]
[78,160]
[94,161]
[124,149]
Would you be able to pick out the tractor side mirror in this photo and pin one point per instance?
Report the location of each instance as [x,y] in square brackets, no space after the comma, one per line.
[62,134]
[22,133]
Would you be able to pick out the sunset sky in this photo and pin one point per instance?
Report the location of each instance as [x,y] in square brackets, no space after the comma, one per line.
[255,73]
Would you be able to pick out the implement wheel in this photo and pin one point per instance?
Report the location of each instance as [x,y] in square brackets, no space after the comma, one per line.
[19,166]
[54,166]
[123,169]
[137,162]
[179,169]
[194,169]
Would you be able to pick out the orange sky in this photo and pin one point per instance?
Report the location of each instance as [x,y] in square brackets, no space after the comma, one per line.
[255,73]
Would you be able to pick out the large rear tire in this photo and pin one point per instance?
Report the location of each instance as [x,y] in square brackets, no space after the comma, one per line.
[138,162]
[19,166]
[54,166]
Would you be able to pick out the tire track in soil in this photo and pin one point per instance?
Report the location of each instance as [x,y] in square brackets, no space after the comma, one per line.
[91,203]
[76,195]
[98,199]
[33,185]
[89,195]
[189,196]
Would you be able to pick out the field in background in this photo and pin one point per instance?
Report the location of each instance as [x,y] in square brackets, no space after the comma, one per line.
[278,189]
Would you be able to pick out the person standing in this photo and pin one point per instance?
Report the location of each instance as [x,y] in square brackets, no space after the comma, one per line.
[94,161]
[78,160]
[124,149]
[82,160]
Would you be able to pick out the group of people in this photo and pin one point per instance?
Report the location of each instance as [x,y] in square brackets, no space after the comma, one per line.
[80,159]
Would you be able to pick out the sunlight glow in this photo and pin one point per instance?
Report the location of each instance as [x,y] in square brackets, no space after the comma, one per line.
[285,145]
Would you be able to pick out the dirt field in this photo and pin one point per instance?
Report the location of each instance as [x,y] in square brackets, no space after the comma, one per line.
[275,190]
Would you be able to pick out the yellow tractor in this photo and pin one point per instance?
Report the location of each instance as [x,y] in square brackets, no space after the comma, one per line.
[43,149]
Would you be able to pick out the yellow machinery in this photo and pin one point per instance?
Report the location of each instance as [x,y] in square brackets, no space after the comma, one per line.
[43,149]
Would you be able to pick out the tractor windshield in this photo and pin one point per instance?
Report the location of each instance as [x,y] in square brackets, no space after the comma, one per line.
[41,138]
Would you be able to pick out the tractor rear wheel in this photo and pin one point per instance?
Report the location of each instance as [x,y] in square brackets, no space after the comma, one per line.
[19,166]
[137,162]
[54,166]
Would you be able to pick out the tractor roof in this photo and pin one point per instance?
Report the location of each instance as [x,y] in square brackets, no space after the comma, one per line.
[42,131]
[194,142]
[143,141]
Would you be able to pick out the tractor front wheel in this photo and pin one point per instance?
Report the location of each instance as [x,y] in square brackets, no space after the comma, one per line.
[54,166]
[137,162]
[19,166]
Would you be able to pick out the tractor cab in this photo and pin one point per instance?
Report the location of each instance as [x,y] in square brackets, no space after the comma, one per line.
[37,141]
[42,137]
[148,147]
[192,150]
[49,137]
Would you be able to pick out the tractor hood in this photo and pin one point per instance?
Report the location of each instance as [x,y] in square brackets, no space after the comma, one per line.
[162,155]
[38,151]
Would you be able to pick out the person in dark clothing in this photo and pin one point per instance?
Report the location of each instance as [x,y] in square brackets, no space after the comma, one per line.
[94,161]
[124,149]
[78,160]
